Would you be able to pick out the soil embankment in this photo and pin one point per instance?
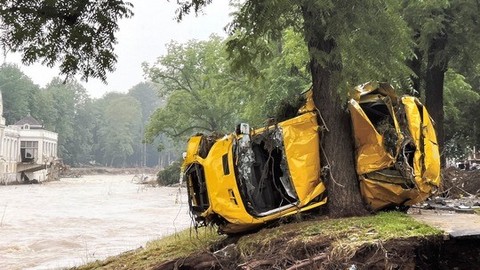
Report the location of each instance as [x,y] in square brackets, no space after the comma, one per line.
[383,241]
[288,253]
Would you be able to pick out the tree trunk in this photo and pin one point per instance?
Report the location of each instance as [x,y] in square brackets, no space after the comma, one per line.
[337,150]
[435,75]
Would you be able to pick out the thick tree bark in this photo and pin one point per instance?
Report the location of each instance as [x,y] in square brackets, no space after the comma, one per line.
[337,151]
[435,76]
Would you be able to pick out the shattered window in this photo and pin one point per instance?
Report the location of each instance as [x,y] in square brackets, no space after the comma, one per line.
[263,175]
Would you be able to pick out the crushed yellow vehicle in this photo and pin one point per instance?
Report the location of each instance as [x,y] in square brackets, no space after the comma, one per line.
[397,156]
[242,180]
[245,179]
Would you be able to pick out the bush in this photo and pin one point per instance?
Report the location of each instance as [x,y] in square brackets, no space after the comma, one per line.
[169,175]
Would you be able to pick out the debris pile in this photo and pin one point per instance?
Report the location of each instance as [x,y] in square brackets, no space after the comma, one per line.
[460,183]
[460,192]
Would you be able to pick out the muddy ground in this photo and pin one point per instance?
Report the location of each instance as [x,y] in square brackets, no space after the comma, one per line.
[410,253]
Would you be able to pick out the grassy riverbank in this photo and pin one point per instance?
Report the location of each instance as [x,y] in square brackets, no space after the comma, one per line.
[330,242]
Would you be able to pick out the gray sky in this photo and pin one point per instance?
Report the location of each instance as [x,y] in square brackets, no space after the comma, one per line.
[142,39]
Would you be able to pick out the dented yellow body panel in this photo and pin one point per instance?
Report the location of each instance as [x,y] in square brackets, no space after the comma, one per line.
[301,142]
[397,157]
[226,201]
[424,134]
[370,153]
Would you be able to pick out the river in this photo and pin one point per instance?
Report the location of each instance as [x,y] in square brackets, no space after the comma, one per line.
[77,220]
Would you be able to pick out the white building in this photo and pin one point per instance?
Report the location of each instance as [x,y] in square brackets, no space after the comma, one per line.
[26,150]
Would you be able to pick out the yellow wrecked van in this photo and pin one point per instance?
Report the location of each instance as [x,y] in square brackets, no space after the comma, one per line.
[245,179]
[397,156]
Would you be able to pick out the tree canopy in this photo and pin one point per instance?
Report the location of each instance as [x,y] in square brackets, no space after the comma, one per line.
[18,91]
[446,35]
[77,35]
[202,94]
[89,130]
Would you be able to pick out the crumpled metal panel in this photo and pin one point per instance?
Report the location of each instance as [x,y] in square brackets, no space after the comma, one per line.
[370,153]
[415,128]
[380,194]
[285,178]
[192,149]
[222,188]
[408,185]
[301,142]
[299,139]
[361,91]
[427,163]
[432,154]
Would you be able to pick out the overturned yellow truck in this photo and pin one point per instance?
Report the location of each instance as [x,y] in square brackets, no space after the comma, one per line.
[243,180]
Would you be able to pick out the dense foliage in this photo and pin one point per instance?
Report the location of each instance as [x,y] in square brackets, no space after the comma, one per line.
[77,35]
[170,175]
[203,94]
[106,131]
[446,34]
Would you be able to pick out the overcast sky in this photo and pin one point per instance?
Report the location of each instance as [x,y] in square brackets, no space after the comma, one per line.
[142,39]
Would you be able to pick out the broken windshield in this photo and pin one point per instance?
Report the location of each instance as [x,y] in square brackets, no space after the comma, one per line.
[262,173]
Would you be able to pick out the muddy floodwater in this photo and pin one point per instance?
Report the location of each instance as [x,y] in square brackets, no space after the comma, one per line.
[69,222]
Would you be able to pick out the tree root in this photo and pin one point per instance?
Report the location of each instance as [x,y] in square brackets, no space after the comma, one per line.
[308,261]
[257,263]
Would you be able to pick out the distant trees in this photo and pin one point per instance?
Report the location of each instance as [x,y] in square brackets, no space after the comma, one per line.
[121,130]
[64,100]
[18,92]
[108,130]
[147,94]
[446,35]
[202,93]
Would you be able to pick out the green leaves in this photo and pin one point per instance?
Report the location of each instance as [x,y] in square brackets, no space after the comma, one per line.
[461,103]
[18,93]
[120,132]
[202,94]
[78,35]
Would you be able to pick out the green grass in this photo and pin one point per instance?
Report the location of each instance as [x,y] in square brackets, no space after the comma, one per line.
[174,246]
[342,237]
[384,226]
[344,234]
